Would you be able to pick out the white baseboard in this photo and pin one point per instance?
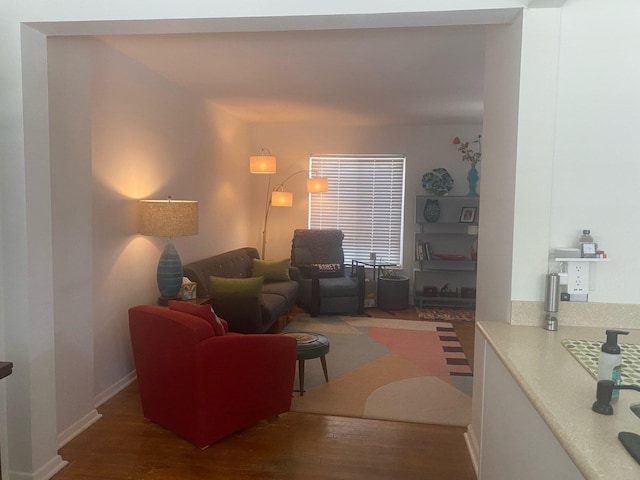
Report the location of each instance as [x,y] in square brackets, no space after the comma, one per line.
[78,427]
[93,416]
[472,446]
[47,471]
[115,389]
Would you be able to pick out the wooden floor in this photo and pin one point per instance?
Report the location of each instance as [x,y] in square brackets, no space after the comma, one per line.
[124,445]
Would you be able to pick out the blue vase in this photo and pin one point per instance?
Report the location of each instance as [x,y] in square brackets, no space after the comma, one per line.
[473,178]
[431,212]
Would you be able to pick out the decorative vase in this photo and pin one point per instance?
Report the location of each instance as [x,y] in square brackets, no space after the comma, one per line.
[431,212]
[437,182]
[473,178]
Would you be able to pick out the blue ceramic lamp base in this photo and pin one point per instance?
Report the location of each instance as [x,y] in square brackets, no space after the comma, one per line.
[169,274]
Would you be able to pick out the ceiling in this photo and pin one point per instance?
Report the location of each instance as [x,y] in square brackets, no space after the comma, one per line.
[375,76]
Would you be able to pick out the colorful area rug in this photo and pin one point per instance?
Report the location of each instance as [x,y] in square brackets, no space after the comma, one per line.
[390,369]
[444,314]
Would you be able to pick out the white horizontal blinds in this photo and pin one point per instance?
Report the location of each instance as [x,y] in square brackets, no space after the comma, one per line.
[365,200]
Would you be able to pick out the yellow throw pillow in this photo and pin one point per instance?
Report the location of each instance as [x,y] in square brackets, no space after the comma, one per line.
[222,286]
[271,271]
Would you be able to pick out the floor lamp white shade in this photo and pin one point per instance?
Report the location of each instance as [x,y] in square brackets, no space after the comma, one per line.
[168,218]
[282,199]
[317,184]
[262,164]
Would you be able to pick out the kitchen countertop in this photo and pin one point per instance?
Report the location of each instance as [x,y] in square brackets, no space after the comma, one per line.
[562,392]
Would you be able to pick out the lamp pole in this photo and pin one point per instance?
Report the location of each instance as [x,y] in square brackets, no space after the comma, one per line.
[268,204]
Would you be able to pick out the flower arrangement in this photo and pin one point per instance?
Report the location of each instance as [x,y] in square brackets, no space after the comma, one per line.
[469,155]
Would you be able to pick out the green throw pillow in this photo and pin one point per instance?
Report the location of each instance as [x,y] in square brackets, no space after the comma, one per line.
[271,271]
[252,287]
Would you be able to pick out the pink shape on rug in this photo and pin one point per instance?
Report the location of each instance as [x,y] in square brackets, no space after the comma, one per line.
[423,348]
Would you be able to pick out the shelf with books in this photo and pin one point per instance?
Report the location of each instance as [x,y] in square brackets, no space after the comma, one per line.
[445,248]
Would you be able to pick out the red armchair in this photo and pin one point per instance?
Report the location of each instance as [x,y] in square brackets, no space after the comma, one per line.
[205,387]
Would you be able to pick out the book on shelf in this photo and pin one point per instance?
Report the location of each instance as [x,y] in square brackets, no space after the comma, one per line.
[428,251]
[424,251]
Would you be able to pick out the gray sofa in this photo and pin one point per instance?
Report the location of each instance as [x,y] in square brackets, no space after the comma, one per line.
[245,314]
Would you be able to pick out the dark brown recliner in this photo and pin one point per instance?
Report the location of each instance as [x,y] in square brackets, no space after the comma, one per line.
[317,261]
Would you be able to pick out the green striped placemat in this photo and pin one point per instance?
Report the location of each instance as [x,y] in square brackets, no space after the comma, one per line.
[587,352]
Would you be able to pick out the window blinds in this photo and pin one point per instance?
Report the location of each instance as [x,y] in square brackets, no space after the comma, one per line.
[365,200]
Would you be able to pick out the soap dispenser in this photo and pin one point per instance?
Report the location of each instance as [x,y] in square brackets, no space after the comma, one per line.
[610,362]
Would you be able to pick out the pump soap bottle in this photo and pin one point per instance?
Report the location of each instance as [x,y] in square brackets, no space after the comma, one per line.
[610,362]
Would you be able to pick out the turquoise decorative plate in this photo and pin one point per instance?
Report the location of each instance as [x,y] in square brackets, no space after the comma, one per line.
[437,181]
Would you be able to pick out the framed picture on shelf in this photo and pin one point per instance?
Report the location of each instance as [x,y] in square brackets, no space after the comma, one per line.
[468,214]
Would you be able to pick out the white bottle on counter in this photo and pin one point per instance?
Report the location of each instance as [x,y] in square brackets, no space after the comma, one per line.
[610,361]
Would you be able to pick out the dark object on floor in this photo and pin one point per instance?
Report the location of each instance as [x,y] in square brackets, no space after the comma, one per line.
[393,293]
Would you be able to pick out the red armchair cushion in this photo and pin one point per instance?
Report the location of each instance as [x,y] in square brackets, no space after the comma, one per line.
[203,311]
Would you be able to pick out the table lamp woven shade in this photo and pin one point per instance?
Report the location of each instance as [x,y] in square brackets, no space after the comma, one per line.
[168,218]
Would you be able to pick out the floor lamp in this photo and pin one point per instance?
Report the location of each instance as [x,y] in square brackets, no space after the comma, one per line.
[277,197]
[169,218]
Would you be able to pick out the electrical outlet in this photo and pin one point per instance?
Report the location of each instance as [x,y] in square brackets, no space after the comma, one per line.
[578,278]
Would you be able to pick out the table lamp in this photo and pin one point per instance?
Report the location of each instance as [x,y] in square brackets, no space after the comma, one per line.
[168,218]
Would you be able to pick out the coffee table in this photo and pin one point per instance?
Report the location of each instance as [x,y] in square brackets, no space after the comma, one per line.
[310,345]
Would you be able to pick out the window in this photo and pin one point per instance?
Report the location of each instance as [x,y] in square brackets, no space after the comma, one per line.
[365,200]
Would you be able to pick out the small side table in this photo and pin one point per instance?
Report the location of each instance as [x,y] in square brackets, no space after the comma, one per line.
[310,345]
[377,270]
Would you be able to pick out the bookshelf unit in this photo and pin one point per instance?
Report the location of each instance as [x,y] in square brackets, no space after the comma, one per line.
[443,252]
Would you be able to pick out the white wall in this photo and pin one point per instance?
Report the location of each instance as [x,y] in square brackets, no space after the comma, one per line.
[596,165]
[495,239]
[70,114]
[121,133]
[425,147]
[537,103]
